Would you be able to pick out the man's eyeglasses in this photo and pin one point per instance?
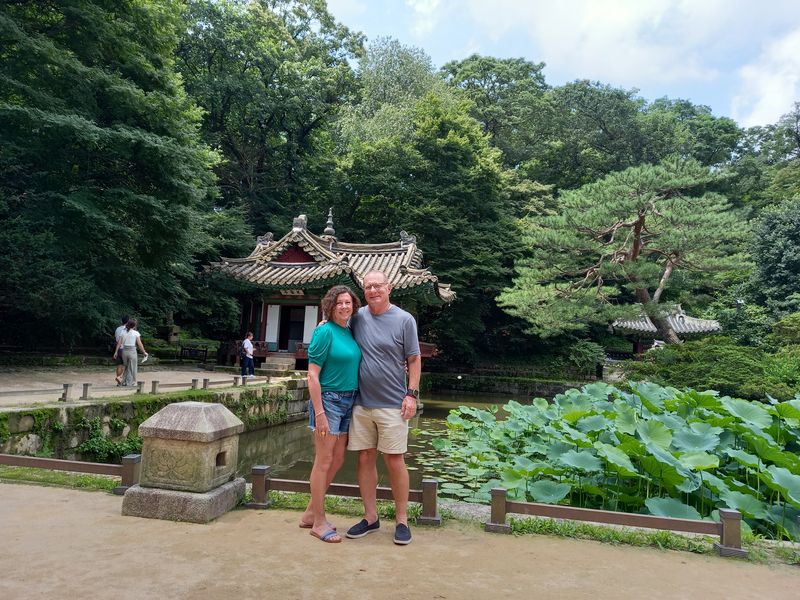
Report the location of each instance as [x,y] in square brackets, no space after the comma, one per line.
[374,286]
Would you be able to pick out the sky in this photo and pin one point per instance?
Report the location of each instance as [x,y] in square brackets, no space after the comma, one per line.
[740,57]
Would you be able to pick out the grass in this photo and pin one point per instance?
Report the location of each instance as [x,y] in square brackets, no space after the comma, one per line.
[58,478]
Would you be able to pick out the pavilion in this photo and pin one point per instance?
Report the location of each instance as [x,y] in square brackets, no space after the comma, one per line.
[290,276]
[642,331]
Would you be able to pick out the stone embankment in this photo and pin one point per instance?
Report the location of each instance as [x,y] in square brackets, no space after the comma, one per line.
[60,429]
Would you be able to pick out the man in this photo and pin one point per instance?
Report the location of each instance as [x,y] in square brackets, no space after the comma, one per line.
[120,331]
[387,336]
[248,367]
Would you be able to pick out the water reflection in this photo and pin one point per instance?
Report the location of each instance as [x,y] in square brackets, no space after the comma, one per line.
[289,448]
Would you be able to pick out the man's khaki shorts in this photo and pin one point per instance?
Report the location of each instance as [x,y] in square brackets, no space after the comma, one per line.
[381,428]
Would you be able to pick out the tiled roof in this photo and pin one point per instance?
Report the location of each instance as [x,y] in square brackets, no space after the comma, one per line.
[331,259]
[680,322]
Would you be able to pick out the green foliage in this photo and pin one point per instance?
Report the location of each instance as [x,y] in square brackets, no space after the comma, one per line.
[776,252]
[787,331]
[99,447]
[674,453]
[101,168]
[271,76]
[717,363]
[619,241]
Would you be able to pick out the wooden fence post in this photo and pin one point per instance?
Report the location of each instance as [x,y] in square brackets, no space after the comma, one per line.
[235,381]
[195,383]
[154,386]
[430,509]
[259,477]
[131,467]
[206,381]
[497,520]
[86,391]
[140,387]
[730,536]
[67,395]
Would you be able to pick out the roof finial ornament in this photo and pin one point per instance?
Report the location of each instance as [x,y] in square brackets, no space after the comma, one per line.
[329,230]
[406,239]
[265,239]
[299,223]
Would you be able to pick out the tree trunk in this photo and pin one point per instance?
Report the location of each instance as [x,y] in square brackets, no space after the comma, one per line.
[665,331]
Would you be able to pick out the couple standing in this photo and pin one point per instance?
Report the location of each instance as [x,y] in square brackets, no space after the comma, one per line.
[128,339]
[357,383]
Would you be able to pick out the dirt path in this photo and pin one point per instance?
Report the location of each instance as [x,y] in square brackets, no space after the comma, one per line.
[70,544]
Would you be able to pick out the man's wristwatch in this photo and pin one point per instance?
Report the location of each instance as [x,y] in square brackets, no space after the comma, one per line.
[413,393]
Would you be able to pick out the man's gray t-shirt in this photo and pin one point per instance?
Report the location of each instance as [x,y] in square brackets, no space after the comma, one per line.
[386,340]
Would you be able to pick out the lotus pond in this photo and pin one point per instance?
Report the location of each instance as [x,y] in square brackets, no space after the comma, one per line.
[652,450]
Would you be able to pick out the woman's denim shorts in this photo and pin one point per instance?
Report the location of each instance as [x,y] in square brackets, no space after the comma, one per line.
[338,407]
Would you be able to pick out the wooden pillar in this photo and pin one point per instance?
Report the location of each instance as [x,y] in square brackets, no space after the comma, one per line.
[497,520]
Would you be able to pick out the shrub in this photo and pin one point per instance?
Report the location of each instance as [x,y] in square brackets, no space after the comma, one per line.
[717,363]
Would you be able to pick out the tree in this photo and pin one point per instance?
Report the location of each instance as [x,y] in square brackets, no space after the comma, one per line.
[271,76]
[619,241]
[776,253]
[508,97]
[101,168]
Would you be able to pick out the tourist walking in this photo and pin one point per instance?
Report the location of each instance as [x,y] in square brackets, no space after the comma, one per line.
[387,336]
[333,361]
[118,356]
[126,345]
[246,358]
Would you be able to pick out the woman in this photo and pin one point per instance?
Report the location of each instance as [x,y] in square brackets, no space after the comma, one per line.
[333,359]
[127,343]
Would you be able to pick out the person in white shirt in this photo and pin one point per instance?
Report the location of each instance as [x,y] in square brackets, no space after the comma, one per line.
[248,366]
[127,344]
[118,334]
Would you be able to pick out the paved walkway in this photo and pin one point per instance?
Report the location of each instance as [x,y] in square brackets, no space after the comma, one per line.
[14,378]
[63,543]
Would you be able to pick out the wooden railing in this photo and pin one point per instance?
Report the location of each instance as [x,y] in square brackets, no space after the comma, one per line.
[729,529]
[128,471]
[263,483]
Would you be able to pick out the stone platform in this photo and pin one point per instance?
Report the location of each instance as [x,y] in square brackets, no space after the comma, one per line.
[174,505]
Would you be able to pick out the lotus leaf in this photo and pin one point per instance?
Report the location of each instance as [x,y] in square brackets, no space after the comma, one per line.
[651,394]
[593,423]
[616,457]
[688,439]
[714,483]
[582,460]
[670,507]
[549,492]
[785,481]
[625,421]
[749,412]
[699,461]
[653,432]
[742,457]
[745,504]
[785,517]
[789,409]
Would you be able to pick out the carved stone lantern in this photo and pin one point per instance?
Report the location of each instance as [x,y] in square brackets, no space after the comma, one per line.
[189,456]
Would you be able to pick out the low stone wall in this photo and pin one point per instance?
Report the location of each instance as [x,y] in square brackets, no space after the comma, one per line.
[105,430]
[486,384]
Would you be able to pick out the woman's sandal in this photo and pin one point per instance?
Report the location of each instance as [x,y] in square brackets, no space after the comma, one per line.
[330,536]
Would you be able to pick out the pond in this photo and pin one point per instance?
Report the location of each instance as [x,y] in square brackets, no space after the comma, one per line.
[289,450]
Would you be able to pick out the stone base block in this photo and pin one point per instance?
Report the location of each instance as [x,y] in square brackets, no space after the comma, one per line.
[173,505]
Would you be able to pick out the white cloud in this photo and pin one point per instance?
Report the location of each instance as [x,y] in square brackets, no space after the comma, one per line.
[626,42]
[770,84]
[426,16]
